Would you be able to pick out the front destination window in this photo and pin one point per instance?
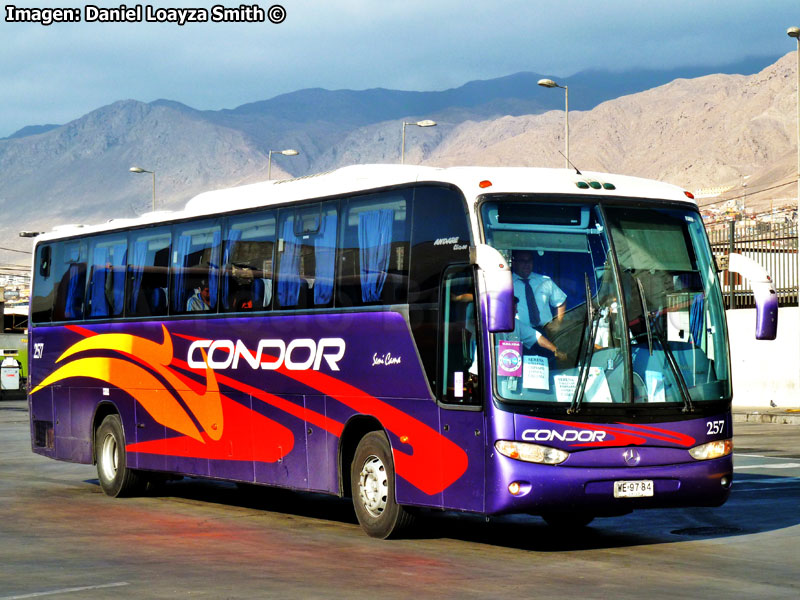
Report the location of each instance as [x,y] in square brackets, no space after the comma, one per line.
[614,304]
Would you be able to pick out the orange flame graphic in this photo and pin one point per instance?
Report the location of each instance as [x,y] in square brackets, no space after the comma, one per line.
[142,385]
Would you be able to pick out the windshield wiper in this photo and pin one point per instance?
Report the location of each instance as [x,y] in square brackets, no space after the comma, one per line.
[673,364]
[587,351]
[646,315]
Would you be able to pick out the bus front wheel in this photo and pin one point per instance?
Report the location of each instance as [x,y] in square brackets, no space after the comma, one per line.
[116,479]
[373,488]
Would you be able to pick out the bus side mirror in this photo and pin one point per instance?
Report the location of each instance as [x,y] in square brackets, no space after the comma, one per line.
[763,291]
[499,287]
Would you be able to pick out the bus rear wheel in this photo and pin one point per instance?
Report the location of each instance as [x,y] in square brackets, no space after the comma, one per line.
[373,488]
[116,479]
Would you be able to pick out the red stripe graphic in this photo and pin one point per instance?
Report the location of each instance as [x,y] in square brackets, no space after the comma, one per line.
[427,460]
[627,434]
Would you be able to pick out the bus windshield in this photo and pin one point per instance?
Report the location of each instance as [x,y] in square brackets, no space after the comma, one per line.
[614,304]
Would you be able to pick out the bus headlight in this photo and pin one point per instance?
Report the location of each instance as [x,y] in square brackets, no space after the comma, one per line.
[533,453]
[711,450]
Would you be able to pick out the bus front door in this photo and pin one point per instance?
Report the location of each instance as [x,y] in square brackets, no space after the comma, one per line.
[461,415]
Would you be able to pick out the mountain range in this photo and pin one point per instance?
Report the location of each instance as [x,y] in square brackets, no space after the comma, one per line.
[686,127]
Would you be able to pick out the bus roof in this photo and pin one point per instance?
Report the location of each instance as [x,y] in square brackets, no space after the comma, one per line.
[473,181]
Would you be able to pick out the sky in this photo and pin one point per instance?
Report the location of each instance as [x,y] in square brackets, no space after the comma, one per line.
[57,73]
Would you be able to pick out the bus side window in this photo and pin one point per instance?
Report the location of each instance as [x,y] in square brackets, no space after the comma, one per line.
[373,263]
[148,272]
[70,272]
[306,256]
[106,276]
[247,263]
[440,236]
[195,267]
[44,261]
[43,293]
[460,369]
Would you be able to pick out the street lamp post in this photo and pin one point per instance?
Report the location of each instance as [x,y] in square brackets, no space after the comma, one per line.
[743,206]
[549,83]
[141,170]
[795,33]
[288,152]
[425,123]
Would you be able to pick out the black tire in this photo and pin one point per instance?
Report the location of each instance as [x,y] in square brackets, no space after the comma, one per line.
[116,479]
[568,521]
[373,488]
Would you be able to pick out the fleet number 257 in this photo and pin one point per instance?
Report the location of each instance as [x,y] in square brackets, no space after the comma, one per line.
[715,427]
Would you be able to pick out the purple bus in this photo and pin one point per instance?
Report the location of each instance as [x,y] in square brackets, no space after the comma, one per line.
[487,340]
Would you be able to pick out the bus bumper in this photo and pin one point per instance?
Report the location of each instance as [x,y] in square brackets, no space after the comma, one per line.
[532,488]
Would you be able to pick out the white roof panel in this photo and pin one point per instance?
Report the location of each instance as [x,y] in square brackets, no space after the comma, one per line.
[366,177]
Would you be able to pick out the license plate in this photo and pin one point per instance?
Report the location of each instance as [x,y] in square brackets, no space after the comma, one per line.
[642,488]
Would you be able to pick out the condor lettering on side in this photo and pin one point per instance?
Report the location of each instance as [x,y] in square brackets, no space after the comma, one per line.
[298,355]
[568,435]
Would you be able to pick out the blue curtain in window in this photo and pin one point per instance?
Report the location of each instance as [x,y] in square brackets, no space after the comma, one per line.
[289,268]
[73,308]
[234,235]
[696,319]
[179,296]
[213,268]
[324,258]
[137,270]
[97,285]
[374,244]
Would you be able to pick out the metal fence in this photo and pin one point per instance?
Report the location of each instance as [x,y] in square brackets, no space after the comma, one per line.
[772,245]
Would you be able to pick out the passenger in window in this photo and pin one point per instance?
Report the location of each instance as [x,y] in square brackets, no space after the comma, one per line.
[538,295]
[200,300]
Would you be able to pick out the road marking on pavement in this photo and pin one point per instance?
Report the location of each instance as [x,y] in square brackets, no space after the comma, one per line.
[740,454]
[789,465]
[66,591]
[767,480]
[757,484]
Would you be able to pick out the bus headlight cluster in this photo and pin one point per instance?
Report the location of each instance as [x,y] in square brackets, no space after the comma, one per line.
[711,450]
[533,453]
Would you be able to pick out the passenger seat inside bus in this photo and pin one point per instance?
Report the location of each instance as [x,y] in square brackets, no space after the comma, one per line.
[158,301]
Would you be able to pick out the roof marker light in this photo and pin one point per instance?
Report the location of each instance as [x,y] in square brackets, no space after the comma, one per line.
[689,195]
[595,185]
[485,183]
[582,185]
[609,186]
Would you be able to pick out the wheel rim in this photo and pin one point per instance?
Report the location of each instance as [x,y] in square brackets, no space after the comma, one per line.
[373,486]
[109,457]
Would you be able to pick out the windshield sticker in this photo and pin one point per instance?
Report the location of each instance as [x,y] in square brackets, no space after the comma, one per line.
[565,387]
[535,373]
[597,389]
[509,359]
[458,384]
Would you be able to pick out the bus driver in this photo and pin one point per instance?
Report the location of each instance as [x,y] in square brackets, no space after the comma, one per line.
[538,295]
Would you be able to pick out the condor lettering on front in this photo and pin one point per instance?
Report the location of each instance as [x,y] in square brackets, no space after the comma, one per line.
[298,355]
[568,435]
